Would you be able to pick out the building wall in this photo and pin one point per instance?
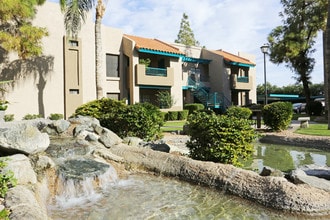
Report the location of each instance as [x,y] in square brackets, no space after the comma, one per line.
[38,86]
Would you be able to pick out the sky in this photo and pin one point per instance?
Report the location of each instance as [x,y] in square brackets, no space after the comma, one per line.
[231,25]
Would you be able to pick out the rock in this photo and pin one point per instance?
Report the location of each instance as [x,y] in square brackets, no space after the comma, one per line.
[24,205]
[268,171]
[56,127]
[158,147]
[21,166]
[132,141]
[108,138]
[23,138]
[86,120]
[318,171]
[299,176]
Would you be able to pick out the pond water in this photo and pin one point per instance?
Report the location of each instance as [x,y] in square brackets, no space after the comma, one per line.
[286,158]
[156,197]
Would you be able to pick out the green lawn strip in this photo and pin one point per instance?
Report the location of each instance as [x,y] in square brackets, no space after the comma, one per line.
[314,129]
[172,126]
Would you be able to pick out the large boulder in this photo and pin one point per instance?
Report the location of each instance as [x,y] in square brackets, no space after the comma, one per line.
[22,138]
[23,204]
[20,165]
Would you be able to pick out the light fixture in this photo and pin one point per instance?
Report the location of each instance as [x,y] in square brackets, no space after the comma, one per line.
[264,49]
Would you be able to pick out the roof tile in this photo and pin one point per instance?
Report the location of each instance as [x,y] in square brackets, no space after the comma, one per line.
[153,44]
[233,58]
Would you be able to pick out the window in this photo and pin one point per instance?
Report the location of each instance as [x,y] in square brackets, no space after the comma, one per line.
[112,65]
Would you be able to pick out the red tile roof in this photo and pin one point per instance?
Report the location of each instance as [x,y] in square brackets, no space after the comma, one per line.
[153,44]
[233,58]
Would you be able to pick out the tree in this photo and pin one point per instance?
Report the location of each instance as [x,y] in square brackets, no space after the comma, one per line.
[292,43]
[16,30]
[327,63]
[75,12]
[186,35]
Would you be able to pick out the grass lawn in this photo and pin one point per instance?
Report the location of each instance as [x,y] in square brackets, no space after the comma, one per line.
[315,129]
[170,126]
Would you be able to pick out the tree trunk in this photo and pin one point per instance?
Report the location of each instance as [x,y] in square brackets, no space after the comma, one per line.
[99,75]
[327,65]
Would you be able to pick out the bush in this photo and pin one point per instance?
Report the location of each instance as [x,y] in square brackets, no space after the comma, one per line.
[144,121]
[56,116]
[172,115]
[164,99]
[100,107]
[193,107]
[183,115]
[314,108]
[277,115]
[9,117]
[219,138]
[141,120]
[7,179]
[239,112]
[32,116]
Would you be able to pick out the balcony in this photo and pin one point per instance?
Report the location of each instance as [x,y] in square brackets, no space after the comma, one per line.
[151,71]
[241,82]
[154,76]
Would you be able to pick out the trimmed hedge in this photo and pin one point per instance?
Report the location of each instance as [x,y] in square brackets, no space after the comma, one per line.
[239,112]
[193,107]
[277,115]
[220,138]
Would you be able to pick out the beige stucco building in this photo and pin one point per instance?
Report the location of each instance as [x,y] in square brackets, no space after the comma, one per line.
[64,77]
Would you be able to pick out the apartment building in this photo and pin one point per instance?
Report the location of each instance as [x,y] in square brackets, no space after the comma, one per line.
[63,78]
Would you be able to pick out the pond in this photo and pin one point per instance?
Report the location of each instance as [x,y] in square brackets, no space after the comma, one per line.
[156,197]
[286,158]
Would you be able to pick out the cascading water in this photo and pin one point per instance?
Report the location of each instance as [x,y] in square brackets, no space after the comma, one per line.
[81,180]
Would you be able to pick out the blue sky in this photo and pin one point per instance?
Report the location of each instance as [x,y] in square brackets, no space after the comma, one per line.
[232,25]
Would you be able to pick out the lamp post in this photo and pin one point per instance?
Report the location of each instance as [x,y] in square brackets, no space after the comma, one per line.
[264,49]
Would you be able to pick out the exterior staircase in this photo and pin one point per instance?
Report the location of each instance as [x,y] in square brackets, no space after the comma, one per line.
[213,100]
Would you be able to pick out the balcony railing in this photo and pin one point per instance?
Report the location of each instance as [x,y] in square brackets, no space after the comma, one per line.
[152,71]
[243,79]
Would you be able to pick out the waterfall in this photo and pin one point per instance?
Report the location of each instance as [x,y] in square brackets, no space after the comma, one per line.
[82,181]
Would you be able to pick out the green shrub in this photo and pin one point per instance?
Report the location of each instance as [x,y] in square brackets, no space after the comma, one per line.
[172,115]
[32,116]
[164,99]
[277,115]
[219,138]
[239,112]
[56,116]
[314,108]
[98,108]
[141,120]
[7,179]
[9,117]
[3,105]
[183,115]
[193,107]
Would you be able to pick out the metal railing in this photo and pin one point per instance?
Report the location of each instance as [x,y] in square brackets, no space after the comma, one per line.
[243,79]
[152,71]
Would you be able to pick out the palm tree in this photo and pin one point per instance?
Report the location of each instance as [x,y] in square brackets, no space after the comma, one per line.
[327,65]
[75,12]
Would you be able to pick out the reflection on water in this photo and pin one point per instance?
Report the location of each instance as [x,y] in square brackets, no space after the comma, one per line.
[151,197]
[286,158]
